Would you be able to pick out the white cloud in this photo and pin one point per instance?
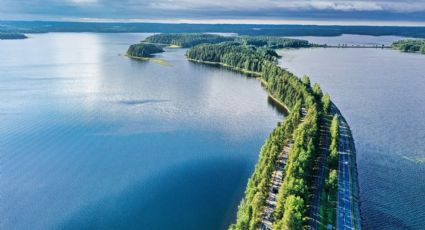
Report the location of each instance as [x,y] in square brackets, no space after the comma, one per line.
[216,9]
[362,5]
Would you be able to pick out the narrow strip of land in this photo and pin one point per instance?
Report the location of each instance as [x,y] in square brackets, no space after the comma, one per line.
[292,176]
[276,182]
[359,46]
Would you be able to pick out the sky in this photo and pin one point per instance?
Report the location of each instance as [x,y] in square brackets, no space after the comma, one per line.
[220,11]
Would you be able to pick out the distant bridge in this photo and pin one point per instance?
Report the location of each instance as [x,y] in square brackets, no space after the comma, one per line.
[357,46]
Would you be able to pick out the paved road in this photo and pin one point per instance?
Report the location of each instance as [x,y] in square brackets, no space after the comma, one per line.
[345,218]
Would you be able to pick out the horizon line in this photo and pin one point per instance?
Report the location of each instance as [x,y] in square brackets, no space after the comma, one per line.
[233,22]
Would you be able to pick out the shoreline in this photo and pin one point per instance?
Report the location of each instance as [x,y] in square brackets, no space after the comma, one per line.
[244,71]
[152,59]
[353,180]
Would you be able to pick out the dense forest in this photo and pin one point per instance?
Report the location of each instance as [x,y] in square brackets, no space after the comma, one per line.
[10,36]
[186,40]
[301,129]
[272,42]
[410,45]
[234,55]
[143,50]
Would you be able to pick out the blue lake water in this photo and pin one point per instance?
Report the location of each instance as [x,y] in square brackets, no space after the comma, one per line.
[381,93]
[92,139]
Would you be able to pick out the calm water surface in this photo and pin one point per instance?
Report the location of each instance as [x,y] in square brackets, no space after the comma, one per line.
[91,139]
[382,95]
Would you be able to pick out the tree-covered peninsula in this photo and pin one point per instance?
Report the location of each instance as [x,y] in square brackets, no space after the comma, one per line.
[410,45]
[12,36]
[234,55]
[143,50]
[298,135]
[294,184]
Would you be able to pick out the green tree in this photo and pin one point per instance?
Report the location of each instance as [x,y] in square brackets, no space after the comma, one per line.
[332,181]
[306,80]
[326,102]
[293,217]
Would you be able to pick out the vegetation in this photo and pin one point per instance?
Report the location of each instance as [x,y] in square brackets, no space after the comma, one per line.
[251,207]
[9,36]
[410,45]
[272,42]
[234,55]
[186,40]
[143,50]
[298,173]
[333,148]
[307,106]
[190,40]
[296,94]
[326,102]
[329,192]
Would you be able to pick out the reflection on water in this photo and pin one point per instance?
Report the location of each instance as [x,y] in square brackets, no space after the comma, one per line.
[90,138]
[140,102]
[380,93]
[277,106]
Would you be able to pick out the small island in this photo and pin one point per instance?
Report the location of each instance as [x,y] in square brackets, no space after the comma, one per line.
[410,45]
[143,50]
[12,36]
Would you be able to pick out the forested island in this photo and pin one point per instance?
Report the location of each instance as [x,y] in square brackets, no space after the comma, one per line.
[410,45]
[143,50]
[295,182]
[12,36]
[187,40]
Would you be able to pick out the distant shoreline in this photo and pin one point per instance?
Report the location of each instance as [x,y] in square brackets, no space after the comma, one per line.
[283,30]
[12,36]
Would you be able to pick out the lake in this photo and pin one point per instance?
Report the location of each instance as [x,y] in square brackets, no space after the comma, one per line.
[381,94]
[92,139]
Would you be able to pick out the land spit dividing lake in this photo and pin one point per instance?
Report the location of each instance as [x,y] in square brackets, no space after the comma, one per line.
[92,139]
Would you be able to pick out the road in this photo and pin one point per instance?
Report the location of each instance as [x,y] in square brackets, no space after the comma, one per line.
[319,170]
[345,198]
